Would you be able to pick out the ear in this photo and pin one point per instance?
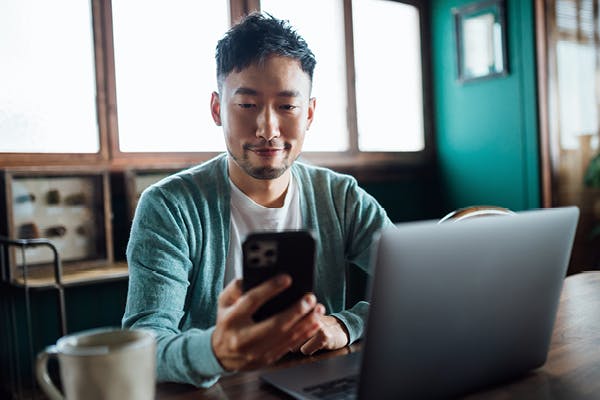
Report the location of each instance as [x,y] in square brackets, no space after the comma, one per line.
[215,108]
[312,103]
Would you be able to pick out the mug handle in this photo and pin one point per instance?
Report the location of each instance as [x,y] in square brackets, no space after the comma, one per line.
[41,372]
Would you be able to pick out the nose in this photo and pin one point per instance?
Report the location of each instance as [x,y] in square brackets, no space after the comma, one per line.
[267,124]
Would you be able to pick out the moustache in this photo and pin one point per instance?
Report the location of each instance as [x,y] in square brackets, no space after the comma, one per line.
[270,145]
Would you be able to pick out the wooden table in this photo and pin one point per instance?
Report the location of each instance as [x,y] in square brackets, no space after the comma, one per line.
[572,370]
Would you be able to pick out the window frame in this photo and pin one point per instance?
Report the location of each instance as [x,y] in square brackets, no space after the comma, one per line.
[103,154]
[354,159]
[351,160]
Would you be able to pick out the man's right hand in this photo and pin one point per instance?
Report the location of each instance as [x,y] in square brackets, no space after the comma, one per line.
[239,343]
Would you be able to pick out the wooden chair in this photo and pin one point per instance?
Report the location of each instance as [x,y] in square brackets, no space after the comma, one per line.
[475,212]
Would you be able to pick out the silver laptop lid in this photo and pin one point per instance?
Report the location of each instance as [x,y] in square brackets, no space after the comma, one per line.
[457,306]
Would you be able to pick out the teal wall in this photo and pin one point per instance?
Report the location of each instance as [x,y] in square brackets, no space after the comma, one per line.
[410,199]
[486,131]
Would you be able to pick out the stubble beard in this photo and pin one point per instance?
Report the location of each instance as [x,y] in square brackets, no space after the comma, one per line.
[263,173]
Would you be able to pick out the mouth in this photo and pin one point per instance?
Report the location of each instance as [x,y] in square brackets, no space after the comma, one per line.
[268,152]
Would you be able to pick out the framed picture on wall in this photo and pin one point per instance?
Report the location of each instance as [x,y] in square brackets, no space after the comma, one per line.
[480,33]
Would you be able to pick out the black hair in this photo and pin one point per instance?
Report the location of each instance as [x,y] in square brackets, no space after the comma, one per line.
[254,39]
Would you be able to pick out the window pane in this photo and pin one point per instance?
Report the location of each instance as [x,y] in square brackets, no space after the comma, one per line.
[47,100]
[329,131]
[388,76]
[166,72]
[576,64]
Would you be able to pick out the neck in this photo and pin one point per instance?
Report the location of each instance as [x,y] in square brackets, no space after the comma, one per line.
[266,192]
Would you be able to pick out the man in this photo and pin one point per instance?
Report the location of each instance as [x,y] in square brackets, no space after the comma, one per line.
[184,251]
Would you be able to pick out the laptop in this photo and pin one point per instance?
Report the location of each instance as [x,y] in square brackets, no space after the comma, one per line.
[455,307]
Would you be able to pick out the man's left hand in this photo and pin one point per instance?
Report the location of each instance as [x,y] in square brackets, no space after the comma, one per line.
[332,335]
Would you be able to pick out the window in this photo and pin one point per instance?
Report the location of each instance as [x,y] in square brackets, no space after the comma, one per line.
[165,72]
[329,131]
[387,65]
[576,68]
[389,89]
[47,100]
[129,81]
[576,62]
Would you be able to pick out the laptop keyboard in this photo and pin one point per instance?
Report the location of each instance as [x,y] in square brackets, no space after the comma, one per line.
[339,389]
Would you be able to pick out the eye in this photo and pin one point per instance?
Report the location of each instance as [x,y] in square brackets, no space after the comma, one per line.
[289,107]
[246,105]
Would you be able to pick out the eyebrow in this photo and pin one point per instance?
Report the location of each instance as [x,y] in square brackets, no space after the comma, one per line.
[289,93]
[245,90]
[251,92]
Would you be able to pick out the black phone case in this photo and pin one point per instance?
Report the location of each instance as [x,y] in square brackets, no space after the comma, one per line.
[267,254]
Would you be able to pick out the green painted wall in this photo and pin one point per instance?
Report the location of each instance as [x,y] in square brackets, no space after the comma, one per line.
[486,131]
[411,199]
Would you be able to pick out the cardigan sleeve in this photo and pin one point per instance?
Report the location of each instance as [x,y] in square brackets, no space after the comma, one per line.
[363,218]
[159,278]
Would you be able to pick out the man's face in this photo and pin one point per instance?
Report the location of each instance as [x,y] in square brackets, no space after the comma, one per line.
[265,111]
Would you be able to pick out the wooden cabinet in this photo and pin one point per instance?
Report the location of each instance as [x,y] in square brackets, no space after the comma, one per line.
[72,209]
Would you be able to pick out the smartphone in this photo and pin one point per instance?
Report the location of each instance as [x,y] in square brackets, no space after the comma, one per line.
[266,254]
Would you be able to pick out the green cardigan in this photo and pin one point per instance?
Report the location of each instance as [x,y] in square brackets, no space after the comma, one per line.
[178,247]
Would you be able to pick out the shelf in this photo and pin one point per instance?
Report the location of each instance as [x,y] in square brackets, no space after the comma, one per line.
[43,278]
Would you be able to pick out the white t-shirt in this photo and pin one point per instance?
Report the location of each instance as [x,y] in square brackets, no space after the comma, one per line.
[247,216]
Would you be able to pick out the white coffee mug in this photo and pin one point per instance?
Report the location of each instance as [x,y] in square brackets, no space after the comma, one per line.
[106,363]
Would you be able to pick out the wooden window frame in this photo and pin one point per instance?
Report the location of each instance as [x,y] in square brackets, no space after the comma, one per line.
[354,160]
[103,155]
[351,160]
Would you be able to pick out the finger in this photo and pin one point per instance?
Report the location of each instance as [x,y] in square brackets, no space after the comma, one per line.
[333,335]
[296,348]
[281,335]
[319,310]
[284,330]
[286,319]
[257,296]
[278,326]
[297,337]
[316,343]
[268,351]
[270,335]
[289,331]
[312,338]
[231,293]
